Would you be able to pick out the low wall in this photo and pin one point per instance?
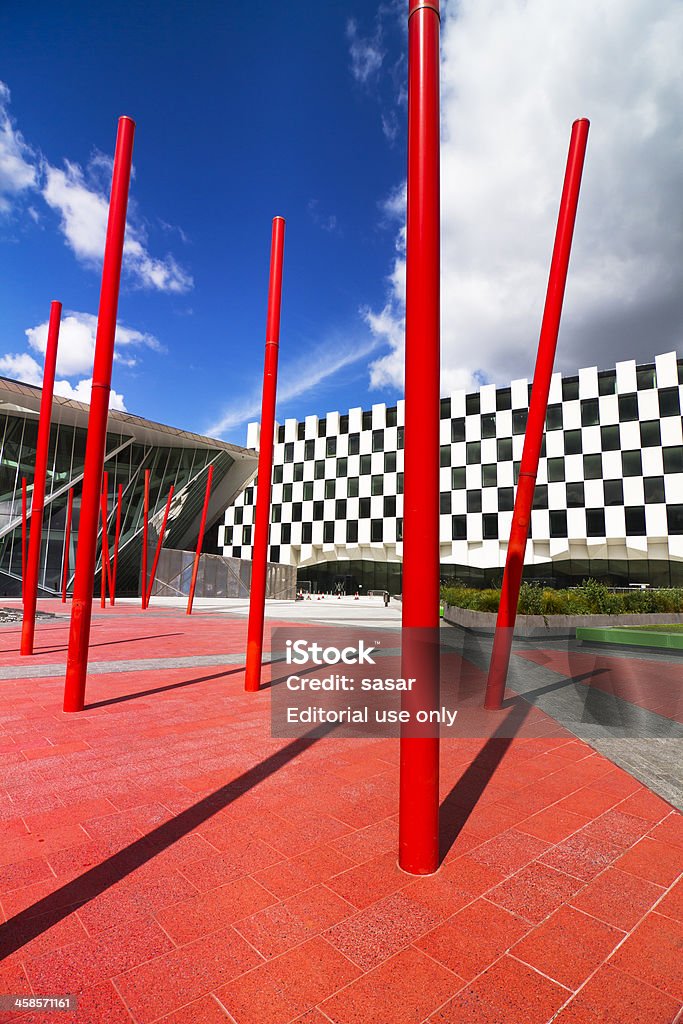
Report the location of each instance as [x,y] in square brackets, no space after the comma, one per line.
[553,625]
[219,576]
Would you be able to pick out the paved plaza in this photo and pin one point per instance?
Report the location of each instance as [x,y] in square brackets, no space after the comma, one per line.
[163,858]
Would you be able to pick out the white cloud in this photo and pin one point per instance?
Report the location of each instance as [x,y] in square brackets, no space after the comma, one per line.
[81,393]
[366,53]
[83,208]
[514,77]
[296,379]
[76,348]
[21,366]
[17,169]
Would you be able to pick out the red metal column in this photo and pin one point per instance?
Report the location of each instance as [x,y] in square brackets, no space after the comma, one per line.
[200,541]
[533,438]
[117,535]
[28,626]
[67,539]
[259,553]
[145,539]
[81,609]
[24,505]
[160,541]
[419,778]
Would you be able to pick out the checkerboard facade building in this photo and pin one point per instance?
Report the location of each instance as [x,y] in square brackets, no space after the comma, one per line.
[608,500]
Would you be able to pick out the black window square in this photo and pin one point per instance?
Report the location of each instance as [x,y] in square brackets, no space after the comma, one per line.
[319,469]
[572,442]
[553,417]
[674,517]
[376,530]
[458,478]
[300,430]
[504,449]
[472,404]
[673,458]
[277,473]
[330,488]
[249,496]
[635,520]
[555,470]
[445,409]
[390,462]
[489,475]
[488,425]
[570,389]
[503,399]
[296,512]
[237,551]
[400,437]
[306,533]
[352,487]
[298,471]
[392,416]
[474,501]
[352,532]
[377,484]
[540,496]
[342,467]
[519,418]
[354,444]
[506,499]
[318,511]
[516,466]
[275,514]
[645,377]
[229,530]
[490,526]
[458,429]
[613,491]
[632,463]
[590,414]
[308,490]
[445,455]
[575,495]
[444,503]
[309,449]
[653,488]
[592,467]
[286,493]
[289,451]
[322,428]
[628,408]
[669,402]
[650,434]
[378,440]
[331,447]
[399,528]
[365,465]
[364,508]
[399,483]
[280,434]
[558,524]
[328,533]
[472,453]
[340,508]
[607,382]
[390,506]
[274,555]
[286,533]
[459,527]
[344,424]
[610,439]
[595,522]
[367,420]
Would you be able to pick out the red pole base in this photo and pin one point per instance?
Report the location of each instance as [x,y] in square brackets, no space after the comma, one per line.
[76,667]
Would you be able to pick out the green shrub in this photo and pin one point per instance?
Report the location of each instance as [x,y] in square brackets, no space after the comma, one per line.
[591,598]
[489,600]
[530,599]
[554,602]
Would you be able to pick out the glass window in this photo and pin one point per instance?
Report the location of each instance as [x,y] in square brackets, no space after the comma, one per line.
[354,444]
[570,389]
[645,377]
[631,463]
[289,451]
[650,434]
[378,440]
[673,459]
[286,492]
[519,418]
[669,402]
[628,408]
[399,528]
[286,533]
[607,382]
[474,501]
[506,499]
[540,496]
[365,464]
[610,440]
[307,533]
[390,506]
[592,467]
[503,399]
[399,437]
[367,420]
[490,526]
[331,447]
[364,508]
[249,496]
[445,455]
[330,488]
[319,469]
[280,434]
[459,527]
[342,467]
[575,495]
[472,453]
[352,532]
[674,515]
[572,442]
[352,487]
[635,521]
[555,470]
[340,508]
[653,487]
[274,555]
[300,428]
[376,530]
[516,466]
[558,524]
[595,522]
[308,490]
[344,424]
[328,533]
[472,404]
[613,491]
[458,478]
[458,429]
[553,417]
[239,514]
[504,449]
[445,409]
[318,508]
[489,475]
[399,483]
[322,428]
[309,449]
[445,503]
[298,471]
[488,425]
[391,416]
[277,473]
[390,462]
[275,514]
[590,415]
[377,484]
[296,512]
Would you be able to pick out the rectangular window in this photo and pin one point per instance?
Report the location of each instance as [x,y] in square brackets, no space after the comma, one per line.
[296,512]
[277,474]
[503,399]
[328,533]
[645,377]
[506,499]
[331,447]
[489,475]
[286,492]
[474,501]
[610,440]
[653,488]
[352,487]
[669,402]
[367,420]
[673,459]
[365,465]
[280,434]
[286,533]
[592,467]
[344,424]
[445,455]
[572,442]
[570,389]
[300,429]
[342,467]
[392,414]
[650,434]
[519,418]
[309,450]
[628,408]
[377,484]
[274,555]
[318,511]
[330,488]
[390,506]
[322,428]
[488,425]
[364,508]
[445,409]
[390,462]
[354,444]
[352,532]
[472,404]
[289,451]
[613,491]
[575,495]
[399,483]
[308,490]
[319,469]
[378,440]
[459,527]
[458,429]
[458,478]
[555,470]
[504,449]
[490,526]
[472,453]
[376,530]
[340,508]
[298,471]
[674,516]
[399,437]
[307,533]
[444,503]
[607,382]
[558,524]
[553,417]
[632,463]
[399,528]
[595,522]
[276,514]
[635,521]
[590,414]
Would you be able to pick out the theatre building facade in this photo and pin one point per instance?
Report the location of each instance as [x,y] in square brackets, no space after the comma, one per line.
[608,500]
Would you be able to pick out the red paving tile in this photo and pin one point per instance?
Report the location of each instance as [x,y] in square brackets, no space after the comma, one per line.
[274,897]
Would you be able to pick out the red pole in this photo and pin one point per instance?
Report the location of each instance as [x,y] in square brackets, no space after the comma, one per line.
[160,541]
[259,555]
[200,541]
[145,537]
[533,438]
[24,505]
[81,608]
[117,535]
[28,626]
[106,564]
[67,539]
[419,760]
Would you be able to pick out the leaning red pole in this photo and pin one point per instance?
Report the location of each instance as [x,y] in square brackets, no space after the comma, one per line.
[419,757]
[67,539]
[533,438]
[200,541]
[160,541]
[259,555]
[28,626]
[81,609]
[117,535]
[145,538]
[24,506]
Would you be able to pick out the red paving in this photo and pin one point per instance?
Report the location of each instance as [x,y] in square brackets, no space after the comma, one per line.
[166,860]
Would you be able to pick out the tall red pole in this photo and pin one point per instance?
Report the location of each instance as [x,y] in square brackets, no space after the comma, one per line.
[106,564]
[81,609]
[28,626]
[67,540]
[259,555]
[117,535]
[160,541]
[200,541]
[419,758]
[533,438]
[24,508]
[145,539]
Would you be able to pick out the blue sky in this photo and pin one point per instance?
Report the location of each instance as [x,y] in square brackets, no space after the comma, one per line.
[248,111]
